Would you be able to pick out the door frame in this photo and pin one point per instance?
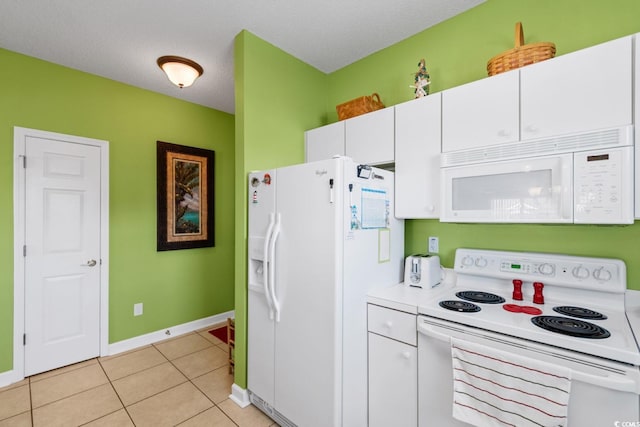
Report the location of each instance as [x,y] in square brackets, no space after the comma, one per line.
[19,228]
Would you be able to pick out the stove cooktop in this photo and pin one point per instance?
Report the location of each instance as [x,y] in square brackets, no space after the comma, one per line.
[577,299]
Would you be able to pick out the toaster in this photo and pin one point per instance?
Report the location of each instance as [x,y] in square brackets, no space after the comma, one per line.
[422,271]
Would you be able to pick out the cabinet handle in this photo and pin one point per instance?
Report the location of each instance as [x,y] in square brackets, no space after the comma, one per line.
[406,355]
[530,129]
[503,133]
[388,324]
[431,208]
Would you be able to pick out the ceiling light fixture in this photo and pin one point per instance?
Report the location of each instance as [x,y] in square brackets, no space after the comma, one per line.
[182,72]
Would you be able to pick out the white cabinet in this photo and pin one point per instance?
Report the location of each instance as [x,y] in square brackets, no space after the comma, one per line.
[324,142]
[369,137]
[393,368]
[417,158]
[584,90]
[581,91]
[484,112]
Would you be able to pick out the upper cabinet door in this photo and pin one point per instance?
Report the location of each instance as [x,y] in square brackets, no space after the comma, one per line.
[369,137]
[418,133]
[585,90]
[481,113]
[324,142]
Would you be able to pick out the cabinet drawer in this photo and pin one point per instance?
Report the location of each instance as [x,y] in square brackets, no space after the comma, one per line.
[392,323]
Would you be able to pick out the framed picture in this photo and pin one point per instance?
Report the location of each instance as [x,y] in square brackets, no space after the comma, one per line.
[185,197]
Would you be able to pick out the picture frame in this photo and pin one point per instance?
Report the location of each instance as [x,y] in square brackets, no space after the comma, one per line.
[185,197]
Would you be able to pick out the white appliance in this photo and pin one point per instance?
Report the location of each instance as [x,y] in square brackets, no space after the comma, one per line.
[512,302]
[422,271]
[585,178]
[320,236]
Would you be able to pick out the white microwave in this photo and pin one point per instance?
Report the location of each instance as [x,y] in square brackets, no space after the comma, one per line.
[583,179]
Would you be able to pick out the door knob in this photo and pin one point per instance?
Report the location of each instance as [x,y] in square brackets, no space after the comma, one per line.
[90,263]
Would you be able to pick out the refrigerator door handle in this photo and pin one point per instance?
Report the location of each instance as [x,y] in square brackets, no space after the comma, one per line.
[272,256]
[266,263]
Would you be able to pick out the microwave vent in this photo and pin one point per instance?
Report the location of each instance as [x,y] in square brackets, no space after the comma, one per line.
[607,138]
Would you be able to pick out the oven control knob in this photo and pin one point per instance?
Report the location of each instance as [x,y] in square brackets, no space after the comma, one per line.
[481,262]
[467,261]
[580,272]
[546,269]
[602,274]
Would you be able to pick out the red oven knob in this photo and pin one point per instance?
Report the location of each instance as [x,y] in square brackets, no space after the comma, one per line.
[538,298]
[517,290]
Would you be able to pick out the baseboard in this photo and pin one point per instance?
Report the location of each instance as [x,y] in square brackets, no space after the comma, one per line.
[154,337]
[239,396]
[9,377]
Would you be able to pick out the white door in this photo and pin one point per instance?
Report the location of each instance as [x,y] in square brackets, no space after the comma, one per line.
[324,142]
[480,113]
[369,137]
[62,262]
[560,96]
[417,177]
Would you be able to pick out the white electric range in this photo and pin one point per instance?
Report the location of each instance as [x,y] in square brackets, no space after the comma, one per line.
[514,302]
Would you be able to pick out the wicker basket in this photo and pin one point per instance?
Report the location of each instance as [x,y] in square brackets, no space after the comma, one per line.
[358,106]
[521,55]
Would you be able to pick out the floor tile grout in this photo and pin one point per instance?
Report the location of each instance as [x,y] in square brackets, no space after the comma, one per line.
[30,403]
[119,398]
[215,393]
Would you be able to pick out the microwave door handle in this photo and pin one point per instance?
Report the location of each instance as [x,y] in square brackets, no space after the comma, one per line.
[265,263]
[272,260]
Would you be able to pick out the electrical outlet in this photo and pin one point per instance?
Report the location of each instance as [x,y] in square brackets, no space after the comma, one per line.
[137,309]
[433,245]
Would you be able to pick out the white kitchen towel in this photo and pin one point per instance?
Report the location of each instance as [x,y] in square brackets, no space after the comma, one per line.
[494,388]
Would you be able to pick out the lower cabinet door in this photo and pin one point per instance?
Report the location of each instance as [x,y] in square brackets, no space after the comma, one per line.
[393,383]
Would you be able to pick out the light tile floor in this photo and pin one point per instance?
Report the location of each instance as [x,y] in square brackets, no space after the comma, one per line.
[182,381]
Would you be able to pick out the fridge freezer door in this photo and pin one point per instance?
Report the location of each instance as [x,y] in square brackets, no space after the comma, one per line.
[260,323]
[260,344]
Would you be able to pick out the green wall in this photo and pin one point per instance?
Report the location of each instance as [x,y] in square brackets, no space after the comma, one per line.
[278,97]
[175,286]
[456,52]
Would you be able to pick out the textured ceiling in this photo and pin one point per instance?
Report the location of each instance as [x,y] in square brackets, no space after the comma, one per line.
[121,39]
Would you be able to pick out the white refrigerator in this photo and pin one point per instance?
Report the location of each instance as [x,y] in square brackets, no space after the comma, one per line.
[320,236]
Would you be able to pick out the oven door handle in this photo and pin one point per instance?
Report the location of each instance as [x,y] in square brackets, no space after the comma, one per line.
[618,383]
[613,382]
[423,328]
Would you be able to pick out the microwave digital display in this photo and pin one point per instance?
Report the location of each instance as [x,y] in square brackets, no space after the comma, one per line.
[598,157]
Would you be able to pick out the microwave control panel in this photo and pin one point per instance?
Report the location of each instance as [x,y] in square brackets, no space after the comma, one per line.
[603,190]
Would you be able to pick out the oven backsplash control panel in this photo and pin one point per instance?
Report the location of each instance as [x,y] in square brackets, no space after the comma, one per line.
[597,274]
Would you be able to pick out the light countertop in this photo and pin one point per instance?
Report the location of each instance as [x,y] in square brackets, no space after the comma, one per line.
[407,298]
